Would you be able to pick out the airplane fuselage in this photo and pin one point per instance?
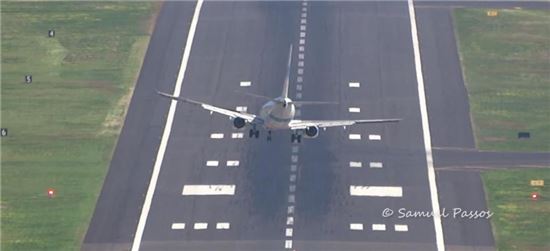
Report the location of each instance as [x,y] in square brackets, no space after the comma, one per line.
[277,113]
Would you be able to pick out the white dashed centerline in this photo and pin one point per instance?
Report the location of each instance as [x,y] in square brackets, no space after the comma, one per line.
[376,165]
[216,136]
[355,164]
[375,137]
[354,84]
[379,227]
[178,226]
[222,225]
[356,226]
[200,226]
[401,228]
[355,136]
[245,83]
[212,163]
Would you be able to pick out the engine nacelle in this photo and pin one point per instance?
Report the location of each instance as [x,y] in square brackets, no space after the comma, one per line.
[312,131]
[239,123]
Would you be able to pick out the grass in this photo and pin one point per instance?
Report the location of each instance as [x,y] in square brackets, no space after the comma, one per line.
[63,126]
[519,223]
[507,73]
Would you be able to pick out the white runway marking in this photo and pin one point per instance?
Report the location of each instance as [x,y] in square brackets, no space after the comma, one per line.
[245,83]
[237,135]
[299,79]
[354,84]
[356,226]
[440,241]
[375,137]
[355,136]
[302,34]
[222,225]
[294,158]
[379,227]
[292,178]
[290,220]
[303,21]
[291,198]
[241,108]
[301,63]
[301,56]
[232,163]
[178,226]
[401,228]
[208,190]
[300,71]
[376,165]
[302,41]
[288,232]
[288,244]
[292,188]
[295,149]
[304,15]
[200,226]
[216,136]
[376,191]
[212,163]
[298,95]
[355,164]
[299,87]
[290,210]
[302,27]
[293,168]
[167,129]
[354,109]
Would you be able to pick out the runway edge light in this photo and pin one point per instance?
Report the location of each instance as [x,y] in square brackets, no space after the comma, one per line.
[51,192]
[535,196]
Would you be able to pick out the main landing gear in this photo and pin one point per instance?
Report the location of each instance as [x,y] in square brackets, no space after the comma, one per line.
[296,137]
[254,133]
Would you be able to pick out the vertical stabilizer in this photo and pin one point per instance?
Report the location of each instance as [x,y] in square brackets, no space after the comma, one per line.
[287,78]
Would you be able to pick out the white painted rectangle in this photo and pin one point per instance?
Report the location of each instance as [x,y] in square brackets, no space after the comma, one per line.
[290,210]
[376,165]
[291,198]
[292,178]
[200,226]
[354,109]
[303,21]
[288,232]
[302,41]
[288,244]
[222,225]
[356,226]
[295,149]
[232,163]
[290,220]
[376,191]
[241,108]
[216,136]
[298,87]
[374,137]
[401,228]
[355,164]
[300,63]
[299,95]
[237,135]
[299,79]
[294,158]
[178,226]
[302,27]
[246,83]
[378,227]
[212,163]
[355,136]
[300,71]
[208,190]
[302,34]
[301,56]
[292,188]
[354,84]
[304,15]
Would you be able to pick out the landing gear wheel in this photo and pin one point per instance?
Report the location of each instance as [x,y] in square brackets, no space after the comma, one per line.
[269,136]
[257,134]
[299,138]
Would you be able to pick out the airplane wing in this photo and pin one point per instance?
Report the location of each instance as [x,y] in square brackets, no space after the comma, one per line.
[303,124]
[250,118]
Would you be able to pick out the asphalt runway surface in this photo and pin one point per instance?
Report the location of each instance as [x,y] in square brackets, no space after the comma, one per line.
[295,196]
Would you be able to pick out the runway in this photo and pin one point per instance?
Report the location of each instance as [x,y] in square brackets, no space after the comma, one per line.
[277,195]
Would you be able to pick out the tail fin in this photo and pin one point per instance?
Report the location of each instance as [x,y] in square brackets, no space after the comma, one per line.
[287,78]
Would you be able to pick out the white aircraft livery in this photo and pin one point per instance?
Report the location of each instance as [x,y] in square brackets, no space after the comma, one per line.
[278,114]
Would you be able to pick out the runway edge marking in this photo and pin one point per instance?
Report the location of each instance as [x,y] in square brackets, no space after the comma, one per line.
[167,129]
[426,130]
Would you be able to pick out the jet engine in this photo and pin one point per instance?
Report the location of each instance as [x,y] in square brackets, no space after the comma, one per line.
[239,123]
[312,131]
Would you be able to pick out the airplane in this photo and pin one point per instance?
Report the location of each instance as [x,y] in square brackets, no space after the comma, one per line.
[278,114]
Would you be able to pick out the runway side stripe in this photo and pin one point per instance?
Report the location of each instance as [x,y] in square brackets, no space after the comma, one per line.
[426,131]
[167,129]
[376,191]
[208,190]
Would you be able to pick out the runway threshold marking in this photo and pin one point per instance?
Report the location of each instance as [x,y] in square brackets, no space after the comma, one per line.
[376,191]
[426,130]
[356,226]
[245,83]
[223,225]
[378,227]
[354,84]
[356,164]
[167,129]
[208,190]
[237,135]
[355,136]
[376,165]
[212,163]
[200,226]
[375,137]
[401,228]
[354,109]
[216,136]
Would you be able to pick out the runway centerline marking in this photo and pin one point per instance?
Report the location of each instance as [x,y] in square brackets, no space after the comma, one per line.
[401,228]
[354,109]
[241,108]
[178,226]
[376,165]
[232,163]
[356,226]
[216,136]
[208,190]
[200,226]
[376,191]
[426,130]
[237,135]
[212,163]
[375,137]
[167,129]
[379,227]
[355,136]
[354,84]
[245,83]
[355,164]
[223,225]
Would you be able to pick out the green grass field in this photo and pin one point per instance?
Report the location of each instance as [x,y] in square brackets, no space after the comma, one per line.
[519,223]
[506,66]
[63,126]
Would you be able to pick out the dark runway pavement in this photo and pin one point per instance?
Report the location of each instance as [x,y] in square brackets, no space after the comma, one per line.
[278,185]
